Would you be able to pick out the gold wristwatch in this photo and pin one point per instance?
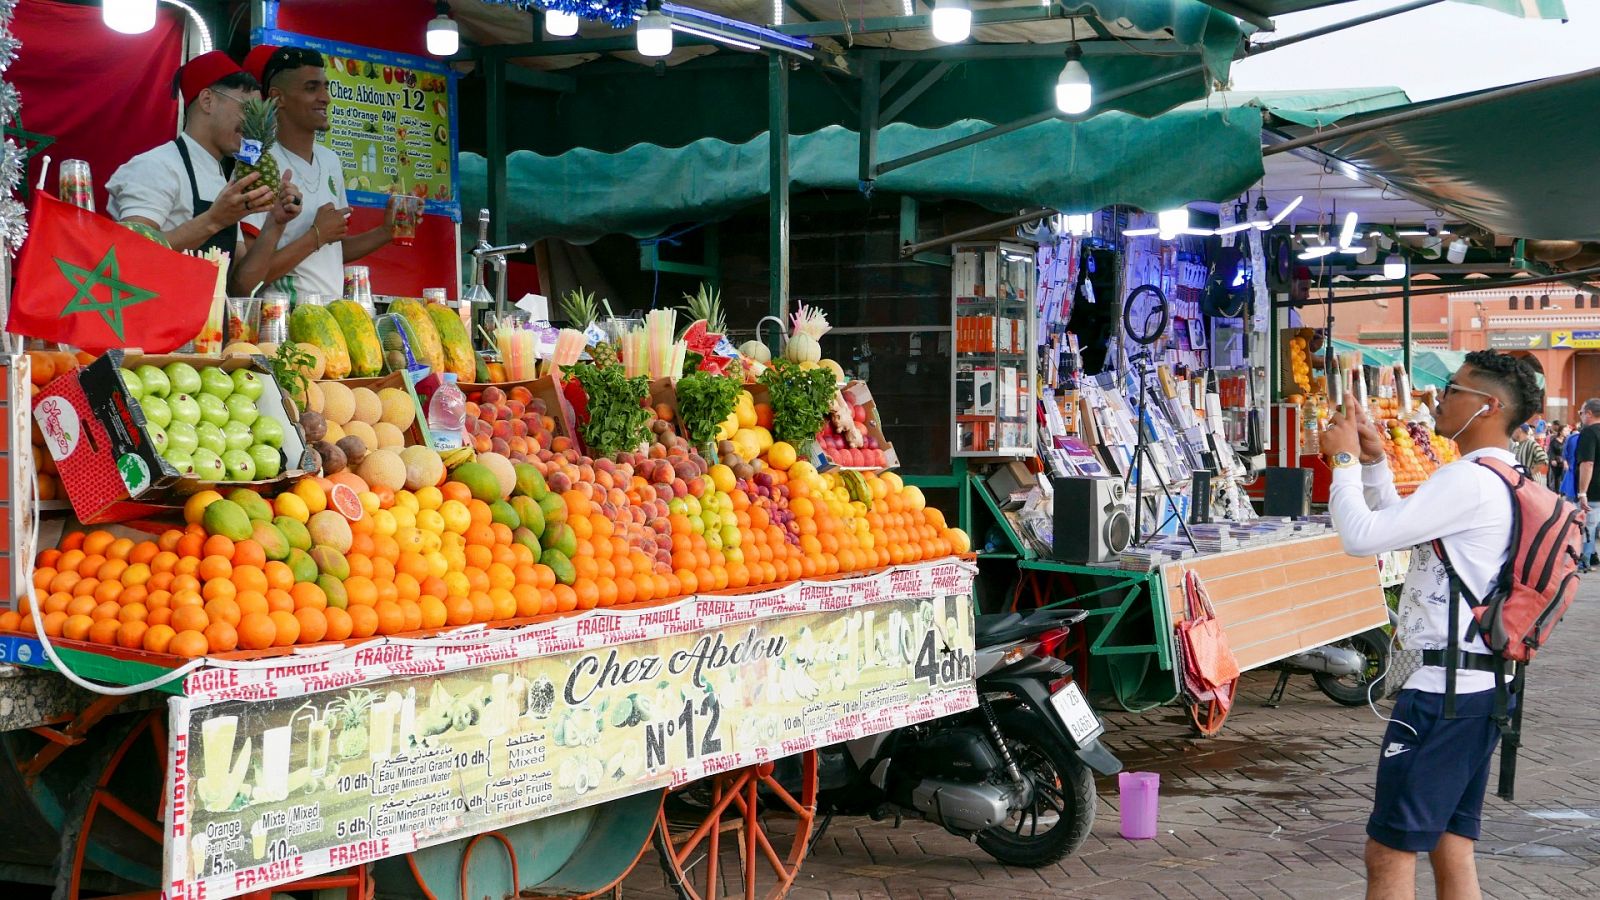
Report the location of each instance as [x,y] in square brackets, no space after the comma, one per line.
[1341,460]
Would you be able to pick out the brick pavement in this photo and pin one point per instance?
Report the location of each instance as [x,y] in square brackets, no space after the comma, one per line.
[1273,807]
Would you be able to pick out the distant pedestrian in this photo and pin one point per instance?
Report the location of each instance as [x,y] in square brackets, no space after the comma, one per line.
[1587,479]
[1569,452]
[1433,770]
[1529,451]
[1557,463]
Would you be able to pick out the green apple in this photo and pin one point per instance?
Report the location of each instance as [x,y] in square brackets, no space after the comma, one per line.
[248,383]
[158,436]
[208,465]
[182,376]
[154,382]
[267,431]
[212,409]
[237,435]
[179,459]
[210,437]
[182,438]
[242,409]
[215,381]
[268,459]
[239,466]
[156,411]
[132,384]
[184,408]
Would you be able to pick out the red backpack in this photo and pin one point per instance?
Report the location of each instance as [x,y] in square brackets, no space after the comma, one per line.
[1530,595]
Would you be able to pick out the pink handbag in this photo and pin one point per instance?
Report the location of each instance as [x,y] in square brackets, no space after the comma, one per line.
[1209,667]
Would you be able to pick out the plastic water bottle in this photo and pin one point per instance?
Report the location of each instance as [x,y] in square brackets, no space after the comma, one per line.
[447,415]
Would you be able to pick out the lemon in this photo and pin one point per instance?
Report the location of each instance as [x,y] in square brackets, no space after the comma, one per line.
[194,509]
[431,522]
[383,523]
[293,506]
[457,518]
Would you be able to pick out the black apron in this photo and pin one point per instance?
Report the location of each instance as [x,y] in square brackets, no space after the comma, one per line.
[224,240]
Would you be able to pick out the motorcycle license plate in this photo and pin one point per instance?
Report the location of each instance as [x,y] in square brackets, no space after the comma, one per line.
[1074,710]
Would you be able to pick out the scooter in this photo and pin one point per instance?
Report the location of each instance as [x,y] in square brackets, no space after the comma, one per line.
[1344,670]
[1013,775]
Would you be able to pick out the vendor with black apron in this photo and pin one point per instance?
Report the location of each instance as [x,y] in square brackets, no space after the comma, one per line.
[181,188]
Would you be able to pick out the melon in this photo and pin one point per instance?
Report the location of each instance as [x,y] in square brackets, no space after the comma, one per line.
[332,432]
[396,408]
[504,472]
[423,467]
[319,360]
[241,348]
[384,468]
[314,396]
[389,436]
[360,429]
[338,402]
[368,408]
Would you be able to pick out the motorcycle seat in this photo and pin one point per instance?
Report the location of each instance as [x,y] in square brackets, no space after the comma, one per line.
[1000,628]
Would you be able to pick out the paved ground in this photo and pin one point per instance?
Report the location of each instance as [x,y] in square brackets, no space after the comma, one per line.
[1275,806]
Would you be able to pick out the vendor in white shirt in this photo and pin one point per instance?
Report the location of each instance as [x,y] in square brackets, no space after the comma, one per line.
[316,245]
[1433,769]
[181,187]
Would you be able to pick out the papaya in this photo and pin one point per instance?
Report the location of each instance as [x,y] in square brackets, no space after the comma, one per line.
[456,343]
[427,348]
[315,325]
[360,338]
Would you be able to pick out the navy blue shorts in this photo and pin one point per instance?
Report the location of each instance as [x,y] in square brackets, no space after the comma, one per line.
[1433,782]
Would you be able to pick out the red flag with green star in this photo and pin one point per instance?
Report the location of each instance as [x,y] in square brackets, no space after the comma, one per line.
[85,281]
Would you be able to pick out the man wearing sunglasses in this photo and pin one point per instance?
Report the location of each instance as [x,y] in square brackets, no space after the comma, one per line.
[315,247]
[181,188]
[1432,770]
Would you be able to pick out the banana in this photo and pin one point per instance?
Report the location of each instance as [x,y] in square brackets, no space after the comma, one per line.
[458,456]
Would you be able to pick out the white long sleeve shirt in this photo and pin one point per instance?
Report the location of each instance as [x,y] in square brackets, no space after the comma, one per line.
[1464,506]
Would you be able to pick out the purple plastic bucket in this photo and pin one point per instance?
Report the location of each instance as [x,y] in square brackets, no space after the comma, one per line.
[1140,796]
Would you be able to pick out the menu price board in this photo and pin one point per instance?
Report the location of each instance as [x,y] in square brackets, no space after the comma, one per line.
[393,122]
[330,768]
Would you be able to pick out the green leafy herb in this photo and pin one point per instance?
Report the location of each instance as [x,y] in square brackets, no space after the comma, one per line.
[704,402]
[617,415]
[292,368]
[800,400]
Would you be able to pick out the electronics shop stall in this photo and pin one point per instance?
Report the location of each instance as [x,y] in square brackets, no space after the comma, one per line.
[1136,319]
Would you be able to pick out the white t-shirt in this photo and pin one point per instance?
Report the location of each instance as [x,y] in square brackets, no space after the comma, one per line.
[320,180]
[1464,506]
[155,186]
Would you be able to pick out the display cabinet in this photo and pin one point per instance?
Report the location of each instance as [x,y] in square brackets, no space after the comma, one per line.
[993,374]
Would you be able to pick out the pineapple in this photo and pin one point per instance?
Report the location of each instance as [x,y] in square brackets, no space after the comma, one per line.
[580,309]
[261,124]
[706,304]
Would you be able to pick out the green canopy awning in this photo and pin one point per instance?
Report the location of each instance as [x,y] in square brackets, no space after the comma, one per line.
[1315,109]
[1528,9]
[1370,356]
[1518,166]
[582,195]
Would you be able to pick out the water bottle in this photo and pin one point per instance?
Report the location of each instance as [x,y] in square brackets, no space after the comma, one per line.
[447,415]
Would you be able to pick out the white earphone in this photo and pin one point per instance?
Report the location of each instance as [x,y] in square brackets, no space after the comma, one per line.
[1481,410]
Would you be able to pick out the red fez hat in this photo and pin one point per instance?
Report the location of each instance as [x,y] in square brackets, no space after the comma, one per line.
[202,72]
[255,62]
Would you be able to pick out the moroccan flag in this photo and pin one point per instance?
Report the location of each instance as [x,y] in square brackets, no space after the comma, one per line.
[86,281]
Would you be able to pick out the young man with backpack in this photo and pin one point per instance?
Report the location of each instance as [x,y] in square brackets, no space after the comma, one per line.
[1464,525]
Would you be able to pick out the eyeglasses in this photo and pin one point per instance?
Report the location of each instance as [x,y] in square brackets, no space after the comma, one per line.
[239,100]
[1451,387]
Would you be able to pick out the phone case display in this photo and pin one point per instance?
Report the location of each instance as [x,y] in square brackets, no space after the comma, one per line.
[993,388]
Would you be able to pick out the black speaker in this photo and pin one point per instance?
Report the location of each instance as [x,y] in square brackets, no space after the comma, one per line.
[1288,492]
[1092,524]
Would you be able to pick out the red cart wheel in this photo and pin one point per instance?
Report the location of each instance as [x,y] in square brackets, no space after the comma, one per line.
[1208,715]
[770,825]
[126,804]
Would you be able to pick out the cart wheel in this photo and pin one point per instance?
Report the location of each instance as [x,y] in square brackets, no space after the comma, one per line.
[1208,715]
[124,808]
[771,824]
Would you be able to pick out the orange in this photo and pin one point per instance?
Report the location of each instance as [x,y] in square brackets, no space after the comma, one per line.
[313,624]
[42,576]
[434,614]
[479,556]
[167,542]
[502,534]
[360,590]
[288,628]
[479,512]
[545,577]
[477,579]
[190,618]
[339,624]
[47,558]
[391,619]
[413,613]
[271,601]
[53,623]
[308,594]
[382,571]
[385,547]
[566,598]
[130,636]
[76,628]
[220,587]
[191,546]
[363,545]
[188,644]
[70,561]
[221,637]
[75,606]
[527,599]
[72,541]
[250,578]
[217,545]
[224,609]
[624,590]
[215,566]
[458,610]
[64,582]
[501,577]
[160,615]
[480,533]
[256,631]
[85,587]
[413,564]
[406,587]
[97,542]
[455,490]
[106,610]
[588,594]
[133,612]
[119,549]
[103,631]
[157,638]
[504,604]
[482,606]
[363,621]
[360,565]
[136,574]
[143,552]
[278,575]
[188,565]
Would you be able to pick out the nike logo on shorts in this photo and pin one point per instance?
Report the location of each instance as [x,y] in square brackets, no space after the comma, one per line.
[1394,750]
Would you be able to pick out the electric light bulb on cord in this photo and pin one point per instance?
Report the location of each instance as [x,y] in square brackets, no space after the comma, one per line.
[952,21]
[129,16]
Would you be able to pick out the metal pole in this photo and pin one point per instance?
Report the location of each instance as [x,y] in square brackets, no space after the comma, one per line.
[778,185]
[1414,113]
[1405,312]
[1484,285]
[1379,15]
[494,72]
[871,70]
[909,250]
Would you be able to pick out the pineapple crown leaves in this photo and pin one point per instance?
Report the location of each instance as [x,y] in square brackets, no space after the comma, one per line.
[261,121]
[809,321]
[706,303]
[579,308]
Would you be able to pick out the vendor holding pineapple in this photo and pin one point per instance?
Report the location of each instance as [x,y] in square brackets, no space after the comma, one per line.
[181,187]
[314,248]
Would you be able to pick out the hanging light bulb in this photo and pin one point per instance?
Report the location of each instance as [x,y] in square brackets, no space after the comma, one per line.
[952,21]
[1394,267]
[1074,91]
[1172,222]
[444,38]
[1457,252]
[560,24]
[1433,244]
[129,16]
[1076,224]
[654,34]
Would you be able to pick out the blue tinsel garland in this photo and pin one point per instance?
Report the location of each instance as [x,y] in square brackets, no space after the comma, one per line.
[616,13]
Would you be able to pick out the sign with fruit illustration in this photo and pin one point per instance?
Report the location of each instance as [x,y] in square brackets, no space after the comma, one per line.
[284,771]
[393,123]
